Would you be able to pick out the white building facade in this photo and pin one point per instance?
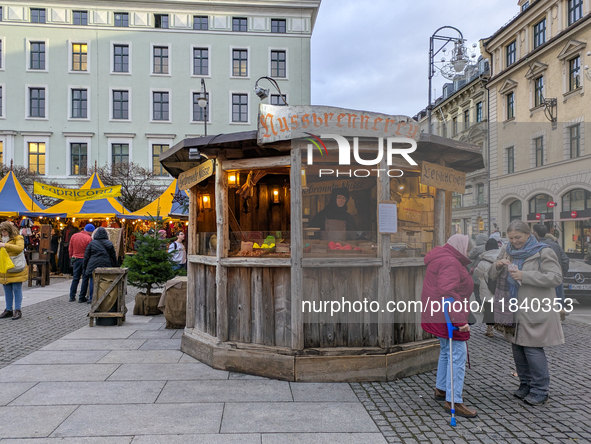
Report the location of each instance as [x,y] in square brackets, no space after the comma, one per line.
[118,81]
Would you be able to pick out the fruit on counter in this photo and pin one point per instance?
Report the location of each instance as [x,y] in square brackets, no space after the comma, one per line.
[256,245]
[346,247]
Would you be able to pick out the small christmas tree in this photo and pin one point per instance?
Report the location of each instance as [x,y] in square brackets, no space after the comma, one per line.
[152,266]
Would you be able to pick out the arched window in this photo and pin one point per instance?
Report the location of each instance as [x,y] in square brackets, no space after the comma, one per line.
[576,200]
[515,211]
[538,203]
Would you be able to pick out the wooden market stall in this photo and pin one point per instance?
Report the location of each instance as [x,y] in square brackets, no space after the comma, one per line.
[280,224]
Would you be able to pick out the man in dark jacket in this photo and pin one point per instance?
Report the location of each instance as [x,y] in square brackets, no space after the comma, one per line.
[540,232]
[99,253]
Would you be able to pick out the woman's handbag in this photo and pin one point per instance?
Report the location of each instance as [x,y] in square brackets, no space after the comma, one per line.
[5,262]
[20,263]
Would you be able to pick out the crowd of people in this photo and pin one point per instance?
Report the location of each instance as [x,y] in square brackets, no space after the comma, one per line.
[527,271]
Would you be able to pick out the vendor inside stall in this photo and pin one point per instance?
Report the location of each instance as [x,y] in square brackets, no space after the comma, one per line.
[334,221]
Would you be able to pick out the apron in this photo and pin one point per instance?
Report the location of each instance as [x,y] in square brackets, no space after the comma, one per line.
[334,230]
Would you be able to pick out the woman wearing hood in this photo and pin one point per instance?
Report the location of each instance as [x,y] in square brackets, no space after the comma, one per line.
[334,222]
[446,276]
[487,258]
[99,253]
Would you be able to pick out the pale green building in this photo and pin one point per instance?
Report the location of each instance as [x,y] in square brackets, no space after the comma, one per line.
[119,81]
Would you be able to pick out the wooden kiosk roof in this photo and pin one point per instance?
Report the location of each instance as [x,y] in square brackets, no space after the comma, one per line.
[461,156]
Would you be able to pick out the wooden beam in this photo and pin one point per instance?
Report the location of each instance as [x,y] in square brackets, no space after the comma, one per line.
[256,262]
[221,276]
[439,219]
[257,163]
[385,319]
[297,236]
[448,195]
[341,262]
[200,259]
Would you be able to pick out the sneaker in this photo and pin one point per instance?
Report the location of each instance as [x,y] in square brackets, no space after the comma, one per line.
[89,301]
[72,299]
[461,410]
[82,299]
[17,315]
[533,399]
[522,391]
[489,331]
[6,314]
[439,395]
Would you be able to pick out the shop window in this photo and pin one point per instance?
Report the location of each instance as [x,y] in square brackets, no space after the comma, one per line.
[576,200]
[515,211]
[538,203]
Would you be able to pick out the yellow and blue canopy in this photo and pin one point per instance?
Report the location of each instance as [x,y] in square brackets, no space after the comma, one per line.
[16,201]
[91,209]
[164,206]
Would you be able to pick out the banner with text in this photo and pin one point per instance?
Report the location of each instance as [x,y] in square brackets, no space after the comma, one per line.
[76,195]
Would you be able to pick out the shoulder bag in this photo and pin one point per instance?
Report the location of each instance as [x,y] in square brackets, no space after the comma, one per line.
[19,261]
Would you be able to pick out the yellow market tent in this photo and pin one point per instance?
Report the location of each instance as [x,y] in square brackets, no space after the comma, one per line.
[91,209]
[164,205]
[15,201]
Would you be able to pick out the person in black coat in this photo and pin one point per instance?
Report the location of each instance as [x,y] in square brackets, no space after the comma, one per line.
[334,222]
[55,240]
[100,252]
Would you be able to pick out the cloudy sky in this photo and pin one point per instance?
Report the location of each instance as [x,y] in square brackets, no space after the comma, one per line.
[374,54]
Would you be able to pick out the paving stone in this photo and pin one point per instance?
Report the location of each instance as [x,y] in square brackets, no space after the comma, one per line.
[323,438]
[31,421]
[225,391]
[9,391]
[63,357]
[161,344]
[142,357]
[251,438]
[166,372]
[306,391]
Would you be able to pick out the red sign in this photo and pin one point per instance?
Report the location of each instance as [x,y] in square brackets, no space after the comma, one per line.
[551,204]
[538,216]
[573,214]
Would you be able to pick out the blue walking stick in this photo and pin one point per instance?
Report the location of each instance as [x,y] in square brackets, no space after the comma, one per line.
[450,331]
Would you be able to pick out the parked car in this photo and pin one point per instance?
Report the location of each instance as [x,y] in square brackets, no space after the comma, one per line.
[577,282]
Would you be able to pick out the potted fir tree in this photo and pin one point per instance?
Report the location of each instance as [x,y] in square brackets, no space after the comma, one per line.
[151,267]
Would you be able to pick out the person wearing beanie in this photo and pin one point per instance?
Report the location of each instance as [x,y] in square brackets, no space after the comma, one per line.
[497,236]
[334,222]
[77,247]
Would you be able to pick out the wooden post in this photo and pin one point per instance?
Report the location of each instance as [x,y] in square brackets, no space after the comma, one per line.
[192,234]
[221,276]
[448,214]
[192,249]
[385,319]
[297,279]
[439,218]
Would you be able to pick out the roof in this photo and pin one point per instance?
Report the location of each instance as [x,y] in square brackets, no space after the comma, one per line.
[458,155]
[15,200]
[163,206]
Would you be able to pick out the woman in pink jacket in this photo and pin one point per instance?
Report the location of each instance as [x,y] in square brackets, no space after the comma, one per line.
[447,277]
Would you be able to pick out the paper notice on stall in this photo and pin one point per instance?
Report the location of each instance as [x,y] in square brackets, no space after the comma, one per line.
[388,218]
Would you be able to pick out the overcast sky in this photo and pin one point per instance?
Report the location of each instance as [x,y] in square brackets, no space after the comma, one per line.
[374,55]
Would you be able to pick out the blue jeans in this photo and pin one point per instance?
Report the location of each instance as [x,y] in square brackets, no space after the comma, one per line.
[460,351]
[13,292]
[532,367]
[78,264]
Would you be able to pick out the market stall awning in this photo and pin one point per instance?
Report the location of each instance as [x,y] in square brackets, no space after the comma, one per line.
[91,209]
[164,206]
[15,201]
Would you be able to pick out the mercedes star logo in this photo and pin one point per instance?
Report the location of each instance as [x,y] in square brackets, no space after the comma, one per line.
[579,278]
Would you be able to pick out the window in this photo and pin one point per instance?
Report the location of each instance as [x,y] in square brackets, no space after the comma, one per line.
[1,54]
[480,194]
[0,21]
[277,100]
[443,129]
[36,102]
[200,22]
[539,148]
[121,105]
[120,58]
[37,15]
[575,141]
[510,106]
[239,108]
[37,55]
[79,104]
[158,169]
[515,211]
[539,33]
[511,53]
[161,21]
[510,160]
[539,91]
[278,64]
[239,24]
[278,26]
[120,154]
[160,110]
[199,113]
[576,200]
[240,63]
[1,108]
[200,61]
[575,10]
[81,17]
[160,60]
[456,200]
[574,73]
[538,203]
[466,119]
[454,126]
[524,6]
[122,19]
[78,159]
[479,112]
[79,56]
[37,157]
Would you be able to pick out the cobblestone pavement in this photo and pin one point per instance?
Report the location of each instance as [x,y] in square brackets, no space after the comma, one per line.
[405,411]
[41,324]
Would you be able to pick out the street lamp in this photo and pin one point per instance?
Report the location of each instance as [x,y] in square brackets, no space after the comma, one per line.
[264,93]
[202,101]
[452,70]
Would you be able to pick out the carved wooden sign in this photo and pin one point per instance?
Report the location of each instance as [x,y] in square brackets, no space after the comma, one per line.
[192,177]
[443,178]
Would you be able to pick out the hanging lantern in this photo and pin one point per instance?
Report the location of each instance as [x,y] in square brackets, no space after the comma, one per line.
[206,201]
[276,197]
